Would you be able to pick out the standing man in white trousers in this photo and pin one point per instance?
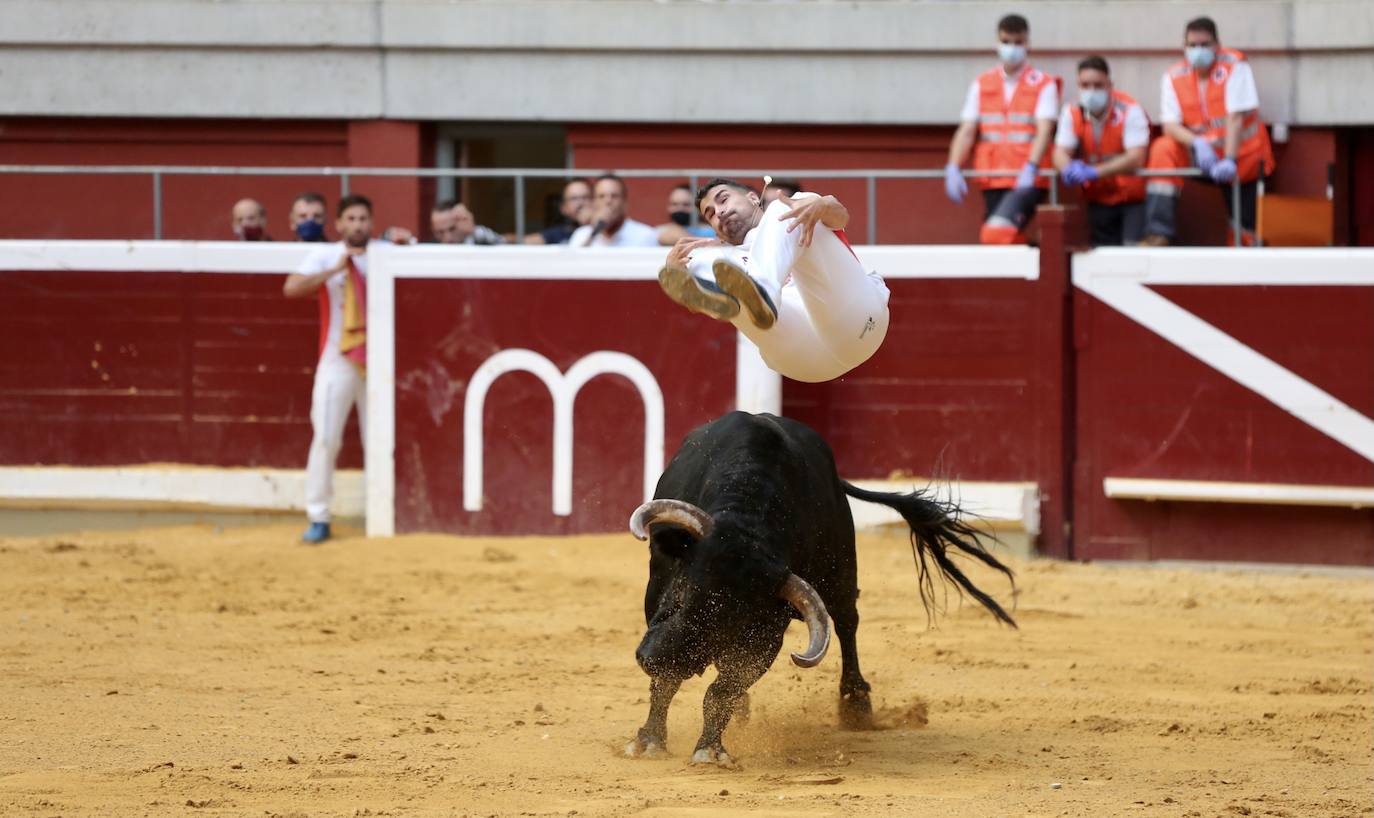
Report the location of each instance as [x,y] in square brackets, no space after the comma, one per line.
[785,276]
[336,272]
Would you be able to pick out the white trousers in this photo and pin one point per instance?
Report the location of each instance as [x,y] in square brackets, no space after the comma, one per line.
[832,313]
[339,386]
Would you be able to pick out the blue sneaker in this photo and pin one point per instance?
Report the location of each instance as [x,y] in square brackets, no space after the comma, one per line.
[697,295]
[316,534]
[750,295]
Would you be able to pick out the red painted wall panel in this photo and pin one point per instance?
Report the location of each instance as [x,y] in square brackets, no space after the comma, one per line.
[104,368]
[1148,409]
[453,326]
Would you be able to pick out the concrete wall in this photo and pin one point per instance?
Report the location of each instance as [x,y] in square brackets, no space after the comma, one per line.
[889,62]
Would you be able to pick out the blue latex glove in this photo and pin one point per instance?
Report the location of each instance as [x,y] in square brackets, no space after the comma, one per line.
[1078,172]
[1223,171]
[1204,155]
[1027,176]
[955,186]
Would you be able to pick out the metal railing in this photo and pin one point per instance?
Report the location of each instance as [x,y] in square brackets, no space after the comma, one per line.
[520,175]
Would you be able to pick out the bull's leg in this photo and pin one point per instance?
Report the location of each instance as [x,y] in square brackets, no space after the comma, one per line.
[856,708]
[652,739]
[723,698]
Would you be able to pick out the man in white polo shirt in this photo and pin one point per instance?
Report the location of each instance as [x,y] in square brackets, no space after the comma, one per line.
[610,226]
[336,272]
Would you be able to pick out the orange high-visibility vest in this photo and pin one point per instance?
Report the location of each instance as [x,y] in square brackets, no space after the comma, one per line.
[1207,116]
[1007,129]
[1108,190]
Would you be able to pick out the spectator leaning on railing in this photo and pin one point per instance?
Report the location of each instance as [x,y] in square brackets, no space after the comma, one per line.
[453,223]
[610,226]
[575,210]
[248,218]
[1099,144]
[1209,109]
[338,273]
[1007,121]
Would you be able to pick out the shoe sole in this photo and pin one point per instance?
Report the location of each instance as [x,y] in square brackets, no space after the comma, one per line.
[751,298]
[697,295]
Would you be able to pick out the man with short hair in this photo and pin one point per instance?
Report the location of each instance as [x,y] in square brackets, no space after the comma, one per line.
[1209,110]
[679,224]
[453,223]
[1109,130]
[610,226]
[575,208]
[1009,112]
[785,276]
[337,272]
[248,218]
[307,215]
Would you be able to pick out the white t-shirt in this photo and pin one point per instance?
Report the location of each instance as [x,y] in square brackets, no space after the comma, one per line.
[1046,106]
[630,234]
[319,260]
[1241,94]
[1135,133]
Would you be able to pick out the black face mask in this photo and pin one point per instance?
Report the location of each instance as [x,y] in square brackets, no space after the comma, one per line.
[681,218]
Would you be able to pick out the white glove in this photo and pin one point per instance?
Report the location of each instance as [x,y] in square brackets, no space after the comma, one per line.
[1027,176]
[1204,155]
[955,186]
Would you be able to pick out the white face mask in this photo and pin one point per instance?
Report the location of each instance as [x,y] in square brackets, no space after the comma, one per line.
[1093,99]
[1199,56]
[1011,54]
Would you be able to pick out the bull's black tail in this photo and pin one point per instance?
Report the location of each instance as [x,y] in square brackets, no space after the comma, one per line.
[937,527]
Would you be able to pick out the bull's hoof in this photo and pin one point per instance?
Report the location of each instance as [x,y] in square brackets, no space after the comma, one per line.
[646,746]
[715,756]
[856,711]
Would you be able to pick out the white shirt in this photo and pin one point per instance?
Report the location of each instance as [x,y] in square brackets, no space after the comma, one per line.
[1046,105]
[630,234]
[1135,132]
[320,259]
[1241,94]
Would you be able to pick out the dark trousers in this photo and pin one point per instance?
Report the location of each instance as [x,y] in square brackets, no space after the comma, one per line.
[1017,210]
[1160,208]
[1117,224]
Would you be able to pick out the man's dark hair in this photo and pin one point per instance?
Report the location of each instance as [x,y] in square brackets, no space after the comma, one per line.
[717,182]
[352,200]
[611,176]
[310,197]
[445,204]
[1094,63]
[1013,24]
[685,187]
[1202,24]
[579,180]
[790,187]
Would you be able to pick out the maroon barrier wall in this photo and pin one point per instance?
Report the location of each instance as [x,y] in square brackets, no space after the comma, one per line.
[451,327]
[116,368]
[1147,409]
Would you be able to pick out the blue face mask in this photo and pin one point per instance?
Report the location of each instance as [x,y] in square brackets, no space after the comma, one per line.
[1093,99]
[310,230]
[1011,54]
[1199,56]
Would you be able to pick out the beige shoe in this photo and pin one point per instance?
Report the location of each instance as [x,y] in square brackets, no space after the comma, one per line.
[697,295]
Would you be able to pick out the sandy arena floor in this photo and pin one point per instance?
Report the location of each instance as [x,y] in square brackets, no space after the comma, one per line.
[195,671]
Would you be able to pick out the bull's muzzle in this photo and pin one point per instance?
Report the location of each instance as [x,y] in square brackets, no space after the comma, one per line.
[808,603]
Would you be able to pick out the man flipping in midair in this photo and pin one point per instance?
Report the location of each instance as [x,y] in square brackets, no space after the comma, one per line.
[785,276]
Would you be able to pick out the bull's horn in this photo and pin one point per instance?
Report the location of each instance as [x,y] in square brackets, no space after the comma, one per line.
[673,512]
[805,599]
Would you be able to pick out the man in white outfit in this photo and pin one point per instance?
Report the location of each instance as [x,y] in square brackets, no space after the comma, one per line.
[785,276]
[339,384]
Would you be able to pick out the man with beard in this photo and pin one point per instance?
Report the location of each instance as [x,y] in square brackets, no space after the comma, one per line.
[337,272]
[785,276]
[610,226]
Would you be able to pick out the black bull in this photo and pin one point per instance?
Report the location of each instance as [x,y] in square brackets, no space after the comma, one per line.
[750,529]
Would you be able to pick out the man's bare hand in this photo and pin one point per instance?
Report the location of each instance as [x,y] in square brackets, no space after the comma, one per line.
[682,251]
[806,213]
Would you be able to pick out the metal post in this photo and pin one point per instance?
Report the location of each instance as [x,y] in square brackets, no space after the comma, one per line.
[872,210]
[157,205]
[1054,188]
[343,184]
[696,214]
[1259,207]
[1235,208]
[519,207]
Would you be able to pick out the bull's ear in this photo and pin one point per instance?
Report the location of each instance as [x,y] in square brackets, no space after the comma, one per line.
[670,512]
